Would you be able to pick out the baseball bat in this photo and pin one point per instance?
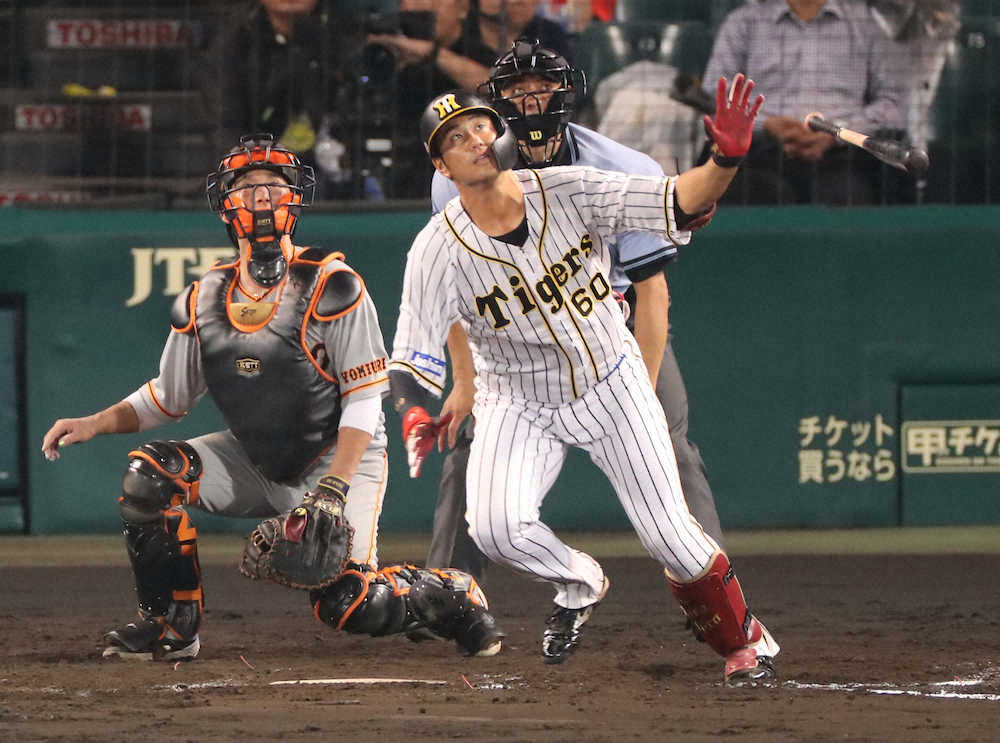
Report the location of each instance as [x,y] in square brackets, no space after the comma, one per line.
[911,159]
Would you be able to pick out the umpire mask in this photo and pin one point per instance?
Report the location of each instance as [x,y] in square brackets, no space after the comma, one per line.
[536,124]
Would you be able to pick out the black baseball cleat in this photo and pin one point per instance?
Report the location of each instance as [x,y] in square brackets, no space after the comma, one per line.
[172,637]
[421,634]
[482,636]
[147,639]
[562,630]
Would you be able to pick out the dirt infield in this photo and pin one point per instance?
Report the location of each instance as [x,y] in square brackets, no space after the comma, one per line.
[891,648]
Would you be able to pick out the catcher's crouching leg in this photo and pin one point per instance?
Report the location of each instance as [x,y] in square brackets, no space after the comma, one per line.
[715,605]
[162,546]
[405,598]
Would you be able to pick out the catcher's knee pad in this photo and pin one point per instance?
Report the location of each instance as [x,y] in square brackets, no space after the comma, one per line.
[164,558]
[715,605]
[403,598]
[160,474]
[363,602]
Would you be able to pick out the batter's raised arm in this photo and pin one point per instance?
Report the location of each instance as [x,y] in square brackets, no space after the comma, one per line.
[617,202]
[731,131]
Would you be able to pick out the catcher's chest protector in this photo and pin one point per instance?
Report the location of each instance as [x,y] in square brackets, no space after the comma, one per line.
[274,399]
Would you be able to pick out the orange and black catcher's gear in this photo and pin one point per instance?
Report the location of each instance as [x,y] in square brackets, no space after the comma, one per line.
[162,544]
[529,57]
[407,599]
[447,106]
[264,228]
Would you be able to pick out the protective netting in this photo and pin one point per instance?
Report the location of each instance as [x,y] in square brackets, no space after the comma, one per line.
[133,101]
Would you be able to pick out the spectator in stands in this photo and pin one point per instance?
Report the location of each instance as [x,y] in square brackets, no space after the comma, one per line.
[634,105]
[277,68]
[572,15]
[499,22]
[809,55]
[924,29]
[454,58]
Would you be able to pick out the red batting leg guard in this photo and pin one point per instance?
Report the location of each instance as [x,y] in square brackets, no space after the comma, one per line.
[715,605]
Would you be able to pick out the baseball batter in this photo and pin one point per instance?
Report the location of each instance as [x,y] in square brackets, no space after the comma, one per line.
[521,259]
[287,343]
[535,90]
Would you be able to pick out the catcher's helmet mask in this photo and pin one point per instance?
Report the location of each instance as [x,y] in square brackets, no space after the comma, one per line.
[527,57]
[448,106]
[263,228]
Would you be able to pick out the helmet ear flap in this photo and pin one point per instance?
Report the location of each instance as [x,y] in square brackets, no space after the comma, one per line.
[505,146]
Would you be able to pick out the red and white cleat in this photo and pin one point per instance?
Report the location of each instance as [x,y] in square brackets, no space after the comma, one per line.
[754,664]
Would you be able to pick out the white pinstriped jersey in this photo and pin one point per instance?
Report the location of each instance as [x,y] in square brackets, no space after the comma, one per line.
[586,147]
[541,321]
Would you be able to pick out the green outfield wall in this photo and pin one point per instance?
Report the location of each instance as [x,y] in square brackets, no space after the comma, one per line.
[843,366]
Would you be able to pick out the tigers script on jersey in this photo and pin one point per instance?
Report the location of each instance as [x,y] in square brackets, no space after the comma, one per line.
[541,319]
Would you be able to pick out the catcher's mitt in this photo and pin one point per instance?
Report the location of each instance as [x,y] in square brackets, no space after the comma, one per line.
[309,546]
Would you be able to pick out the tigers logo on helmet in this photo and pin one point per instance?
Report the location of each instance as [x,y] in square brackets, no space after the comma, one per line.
[445,107]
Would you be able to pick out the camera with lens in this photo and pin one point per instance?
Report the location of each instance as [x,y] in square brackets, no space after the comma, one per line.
[379,61]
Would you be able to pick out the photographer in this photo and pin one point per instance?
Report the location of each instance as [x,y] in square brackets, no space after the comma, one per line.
[498,22]
[450,60]
[277,67]
[444,59]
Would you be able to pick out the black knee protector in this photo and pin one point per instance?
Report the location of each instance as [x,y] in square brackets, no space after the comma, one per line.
[160,474]
[451,604]
[162,543]
[404,598]
[362,602]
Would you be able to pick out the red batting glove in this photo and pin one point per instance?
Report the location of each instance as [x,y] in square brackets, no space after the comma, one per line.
[622,304]
[420,432]
[731,129]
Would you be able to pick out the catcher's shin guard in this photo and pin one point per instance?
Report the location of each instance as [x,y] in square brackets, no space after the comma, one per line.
[162,543]
[715,605]
[405,598]
[362,602]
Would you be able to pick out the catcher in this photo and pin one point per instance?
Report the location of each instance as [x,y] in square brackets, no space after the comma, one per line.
[287,343]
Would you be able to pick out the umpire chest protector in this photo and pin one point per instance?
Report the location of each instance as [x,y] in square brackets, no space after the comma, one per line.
[274,392]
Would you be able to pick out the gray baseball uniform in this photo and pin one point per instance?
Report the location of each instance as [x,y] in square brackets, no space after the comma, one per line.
[347,350]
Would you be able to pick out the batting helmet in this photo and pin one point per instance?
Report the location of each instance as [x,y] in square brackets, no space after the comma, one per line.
[529,57]
[445,107]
